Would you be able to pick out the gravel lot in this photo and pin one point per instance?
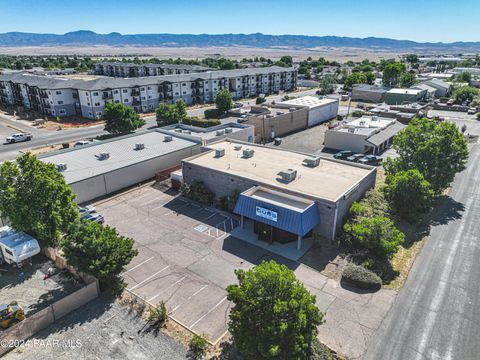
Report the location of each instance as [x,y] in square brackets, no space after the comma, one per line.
[35,293]
[102,329]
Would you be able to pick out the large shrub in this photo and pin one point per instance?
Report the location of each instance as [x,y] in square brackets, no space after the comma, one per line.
[121,119]
[358,276]
[409,193]
[273,315]
[212,113]
[196,121]
[377,235]
[197,191]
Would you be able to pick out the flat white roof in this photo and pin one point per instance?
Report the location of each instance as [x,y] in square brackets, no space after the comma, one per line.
[329,181]
[309,101]
[82,162]
[405,91]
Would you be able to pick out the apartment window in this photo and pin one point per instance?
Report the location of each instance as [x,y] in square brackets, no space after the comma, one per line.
[142,89]
[207,89]
[176,85]
[97,104]
[95,94]
[88,104]
[183,84]
[53,112]
[62,112]
[49,93]
[58,92]
[125,100]
[176,93]
[60,103]
[149,96]
[99,113]
[149,88]
[115,91]
[117,101]
[124,91]
[214,81]
[143,98]
[51,102]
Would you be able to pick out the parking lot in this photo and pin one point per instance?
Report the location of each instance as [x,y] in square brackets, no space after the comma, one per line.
[181,258]
[187,258]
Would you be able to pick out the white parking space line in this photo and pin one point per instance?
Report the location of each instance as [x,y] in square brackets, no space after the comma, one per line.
[189,298]
[148,278]
[168,287]
[209,311]
[136,266]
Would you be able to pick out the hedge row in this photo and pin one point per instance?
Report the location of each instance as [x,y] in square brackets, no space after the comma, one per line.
[195,121]
[360,277]
[212,113]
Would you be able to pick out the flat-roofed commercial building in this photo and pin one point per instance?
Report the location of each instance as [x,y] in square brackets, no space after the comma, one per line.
[368,93]
[287,195]
[271,121]
[404,96]
[364,135]
[101,168]
[242,132]
[319,110]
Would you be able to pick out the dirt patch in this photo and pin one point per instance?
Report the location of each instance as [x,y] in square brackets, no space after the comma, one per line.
[70,124]
[31,288]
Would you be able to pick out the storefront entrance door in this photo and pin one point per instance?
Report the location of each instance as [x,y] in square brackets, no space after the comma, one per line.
[263,231]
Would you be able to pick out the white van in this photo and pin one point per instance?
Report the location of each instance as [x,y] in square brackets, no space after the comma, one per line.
[16,247]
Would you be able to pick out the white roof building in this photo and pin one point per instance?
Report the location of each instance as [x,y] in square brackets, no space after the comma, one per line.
[320,109]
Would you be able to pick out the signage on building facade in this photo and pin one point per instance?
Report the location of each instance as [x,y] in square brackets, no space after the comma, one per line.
[266,213]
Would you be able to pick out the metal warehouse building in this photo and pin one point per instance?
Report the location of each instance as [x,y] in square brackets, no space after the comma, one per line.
[319,110]
[102,168]
[286,195]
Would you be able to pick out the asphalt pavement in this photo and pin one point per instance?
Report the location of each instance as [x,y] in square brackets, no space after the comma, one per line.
[436,314]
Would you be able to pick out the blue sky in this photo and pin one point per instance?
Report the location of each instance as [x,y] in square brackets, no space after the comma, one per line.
[420,20]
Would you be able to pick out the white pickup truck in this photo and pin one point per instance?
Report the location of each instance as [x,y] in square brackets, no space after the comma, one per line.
[19,138]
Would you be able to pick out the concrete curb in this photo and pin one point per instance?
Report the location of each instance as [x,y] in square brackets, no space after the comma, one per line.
[15,128]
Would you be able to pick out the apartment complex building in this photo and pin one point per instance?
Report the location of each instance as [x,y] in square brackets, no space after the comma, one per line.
[60,96]
[120,69]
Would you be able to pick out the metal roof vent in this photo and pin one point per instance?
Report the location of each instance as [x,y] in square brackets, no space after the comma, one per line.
[61,167]
[219,152]
[312,161]
[167,138]
[248,153]
[139,146]
[103,156]
[237,147]
[288,175]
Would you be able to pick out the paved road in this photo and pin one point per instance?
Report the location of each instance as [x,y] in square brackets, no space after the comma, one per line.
[436,315]
[43,137]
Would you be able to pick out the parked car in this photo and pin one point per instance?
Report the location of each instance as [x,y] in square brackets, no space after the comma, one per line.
[355,157]
[450,102]
[343,154]
[370,160]
[19,137]
[237,105]
[95,217]
[472,111]
[82,142]
[84,211]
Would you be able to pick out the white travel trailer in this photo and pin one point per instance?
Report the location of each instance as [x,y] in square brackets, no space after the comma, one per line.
[16,247]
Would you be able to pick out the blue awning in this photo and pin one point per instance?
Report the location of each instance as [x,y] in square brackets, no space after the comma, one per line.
[298,221]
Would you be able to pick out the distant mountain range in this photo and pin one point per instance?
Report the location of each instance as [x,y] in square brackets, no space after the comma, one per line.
[90,38]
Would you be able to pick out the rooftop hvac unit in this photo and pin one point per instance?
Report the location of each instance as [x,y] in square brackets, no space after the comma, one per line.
[237,147]
[248,153]
[178,130]
[279,113]
[228,130]
[351,130]
[374,118]
[269,116]
[288,175]
[292,109]
[188,132]
[219,152]
[167,138]
[312,162]
[362,123]
[139,146]
[61,167]
[219,132]
[103,156]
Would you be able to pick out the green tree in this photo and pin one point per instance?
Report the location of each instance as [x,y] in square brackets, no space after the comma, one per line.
[412,58]
[409,193]
[407,80]
[437,149]
[465,93]
[378,235]
[121,119]
[354,79]
[465,77]
[370,77]
[224,100]
[273,315]
[98,250]
[327,85]
[36,199]
[392,73]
